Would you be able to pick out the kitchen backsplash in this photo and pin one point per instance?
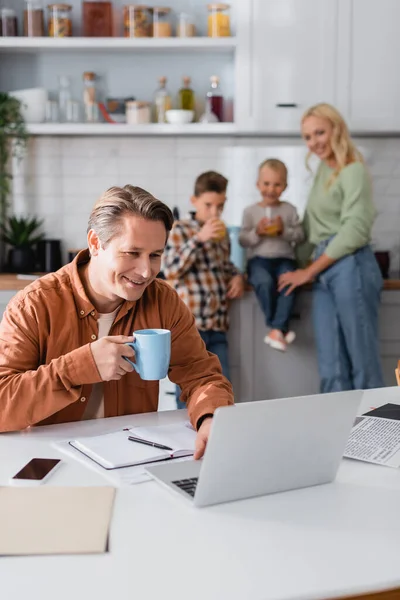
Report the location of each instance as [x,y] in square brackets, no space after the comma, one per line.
[61,177]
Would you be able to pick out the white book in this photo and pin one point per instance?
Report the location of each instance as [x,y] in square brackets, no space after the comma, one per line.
[115,450]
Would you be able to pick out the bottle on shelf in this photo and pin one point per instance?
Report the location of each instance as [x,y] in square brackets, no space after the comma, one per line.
[89,98]
[64,97]
[186,99]
[162,101]
[216,98]
[208,116]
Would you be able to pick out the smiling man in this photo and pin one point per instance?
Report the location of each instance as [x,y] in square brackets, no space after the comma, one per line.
[63,338]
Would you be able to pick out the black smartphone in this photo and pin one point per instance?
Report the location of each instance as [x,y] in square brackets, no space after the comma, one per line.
[36,471]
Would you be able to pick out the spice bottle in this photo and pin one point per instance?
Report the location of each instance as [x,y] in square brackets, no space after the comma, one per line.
[162,101]
[33,18]
[186,100]
[89,97]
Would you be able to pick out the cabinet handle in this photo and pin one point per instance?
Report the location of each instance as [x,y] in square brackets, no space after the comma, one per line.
[287,105]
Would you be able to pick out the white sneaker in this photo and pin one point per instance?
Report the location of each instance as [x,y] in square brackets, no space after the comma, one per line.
[275,344]
[290,337]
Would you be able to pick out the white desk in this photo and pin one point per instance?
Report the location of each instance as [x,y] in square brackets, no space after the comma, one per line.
[321,542]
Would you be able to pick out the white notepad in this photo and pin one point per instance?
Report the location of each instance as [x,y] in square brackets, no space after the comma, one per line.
[115,450]
[54,520]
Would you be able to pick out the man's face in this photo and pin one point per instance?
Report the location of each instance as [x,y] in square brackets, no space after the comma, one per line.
[209,205]
[130,261]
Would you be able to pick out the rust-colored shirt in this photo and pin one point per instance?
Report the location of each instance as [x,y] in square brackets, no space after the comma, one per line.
[47,368]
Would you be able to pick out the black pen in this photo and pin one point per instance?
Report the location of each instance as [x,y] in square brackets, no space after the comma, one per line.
[147,443]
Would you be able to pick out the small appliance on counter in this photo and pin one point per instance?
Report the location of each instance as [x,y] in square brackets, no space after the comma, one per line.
[49,256]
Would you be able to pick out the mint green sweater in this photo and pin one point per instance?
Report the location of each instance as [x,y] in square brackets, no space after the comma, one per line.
[344,210]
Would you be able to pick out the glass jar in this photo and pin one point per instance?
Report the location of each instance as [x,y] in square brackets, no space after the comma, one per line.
[8,22]
[138,20]
[161,22]
[97,19]
[218,20]
[33,19]
[185,26]
[89,97]
[137,113]
[59,22]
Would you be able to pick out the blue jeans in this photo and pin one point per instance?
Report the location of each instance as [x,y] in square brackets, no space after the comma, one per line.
[345,315]
[217,343]
[263,275]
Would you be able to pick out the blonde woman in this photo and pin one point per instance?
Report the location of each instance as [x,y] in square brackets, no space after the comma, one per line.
[347,280]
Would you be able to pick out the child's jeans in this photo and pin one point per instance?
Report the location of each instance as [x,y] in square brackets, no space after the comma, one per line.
[263,275]
[217,343]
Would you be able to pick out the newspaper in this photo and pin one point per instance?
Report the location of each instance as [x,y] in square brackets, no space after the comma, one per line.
[375,440]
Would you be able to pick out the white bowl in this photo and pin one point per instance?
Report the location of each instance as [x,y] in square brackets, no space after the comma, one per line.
[33,104]
[179,116]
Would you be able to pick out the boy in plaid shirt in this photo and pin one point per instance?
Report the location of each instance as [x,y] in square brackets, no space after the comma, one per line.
[196,262]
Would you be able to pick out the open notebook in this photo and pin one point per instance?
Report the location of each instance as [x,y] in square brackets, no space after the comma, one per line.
[115,450]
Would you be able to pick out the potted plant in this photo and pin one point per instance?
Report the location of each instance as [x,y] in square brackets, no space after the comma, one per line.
[13,138]
[21,233]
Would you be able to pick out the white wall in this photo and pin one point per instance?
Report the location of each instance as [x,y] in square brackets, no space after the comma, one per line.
[61,177]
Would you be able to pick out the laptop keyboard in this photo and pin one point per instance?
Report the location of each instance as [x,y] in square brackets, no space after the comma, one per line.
[187,485]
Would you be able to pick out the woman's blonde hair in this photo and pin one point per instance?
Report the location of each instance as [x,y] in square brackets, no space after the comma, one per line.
[343,147]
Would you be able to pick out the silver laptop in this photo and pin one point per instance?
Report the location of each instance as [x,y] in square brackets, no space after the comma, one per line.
[264,447]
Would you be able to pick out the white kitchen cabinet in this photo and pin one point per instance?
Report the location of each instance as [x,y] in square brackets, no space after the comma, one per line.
[290,49]
[368,75]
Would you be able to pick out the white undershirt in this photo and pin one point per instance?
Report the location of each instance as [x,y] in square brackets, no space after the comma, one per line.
[95,406]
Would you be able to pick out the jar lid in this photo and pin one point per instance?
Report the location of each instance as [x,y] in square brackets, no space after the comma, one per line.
[60,6]
[7,12]
[218,6]
[137,104]
[139,6]
[163,10]
[89,75]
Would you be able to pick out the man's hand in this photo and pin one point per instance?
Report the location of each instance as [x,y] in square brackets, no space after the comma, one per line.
[210,230]
[108,354]
[235,287]
[202,438]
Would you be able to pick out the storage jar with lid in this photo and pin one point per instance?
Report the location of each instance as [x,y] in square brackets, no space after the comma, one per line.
[59,22]
[8,22]
[185,26]
[33,18]
[218,20]
[161,22]
[137,113]
[97,19]
[138,20]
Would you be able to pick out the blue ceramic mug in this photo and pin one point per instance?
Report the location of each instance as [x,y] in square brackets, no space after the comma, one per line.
[152,353]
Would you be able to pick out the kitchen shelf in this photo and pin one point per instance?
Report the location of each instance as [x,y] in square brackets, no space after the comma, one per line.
[45,44]
[88,129]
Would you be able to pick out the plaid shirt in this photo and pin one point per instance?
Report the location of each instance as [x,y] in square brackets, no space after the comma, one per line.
[200,273]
